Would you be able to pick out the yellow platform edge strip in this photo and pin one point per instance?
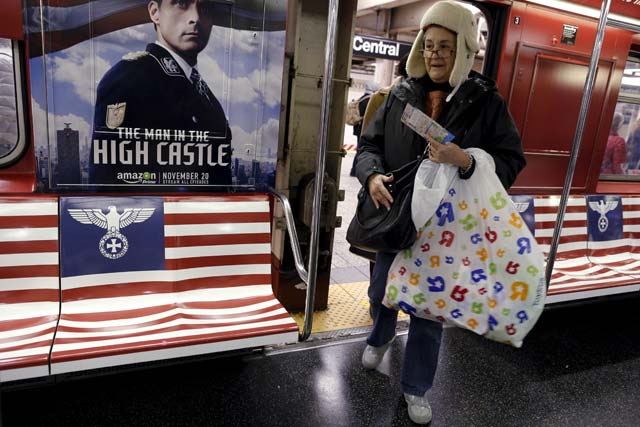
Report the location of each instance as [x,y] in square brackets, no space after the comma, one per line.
[347,307]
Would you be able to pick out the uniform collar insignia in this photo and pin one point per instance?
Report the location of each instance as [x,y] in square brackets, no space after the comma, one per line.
[170,66]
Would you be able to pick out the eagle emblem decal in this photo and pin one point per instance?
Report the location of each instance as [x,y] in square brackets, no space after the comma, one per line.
[114,244]
[602,208]
[522,206]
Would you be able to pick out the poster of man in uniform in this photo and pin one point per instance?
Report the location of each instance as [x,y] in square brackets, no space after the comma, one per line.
[175,94]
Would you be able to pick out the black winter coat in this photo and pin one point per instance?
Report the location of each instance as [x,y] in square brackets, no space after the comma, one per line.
[477,116]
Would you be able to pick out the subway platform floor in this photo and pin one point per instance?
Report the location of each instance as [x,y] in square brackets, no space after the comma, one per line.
[345,266]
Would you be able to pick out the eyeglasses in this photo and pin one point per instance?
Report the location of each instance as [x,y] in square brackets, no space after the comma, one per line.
[442,52]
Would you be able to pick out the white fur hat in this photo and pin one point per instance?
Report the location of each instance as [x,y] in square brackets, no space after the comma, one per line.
[454,17]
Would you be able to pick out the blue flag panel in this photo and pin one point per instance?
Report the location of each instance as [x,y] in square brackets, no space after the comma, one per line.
[111,234]
[604,218]
[524,205]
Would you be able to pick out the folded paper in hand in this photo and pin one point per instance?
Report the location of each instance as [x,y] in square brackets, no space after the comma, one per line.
[424,125]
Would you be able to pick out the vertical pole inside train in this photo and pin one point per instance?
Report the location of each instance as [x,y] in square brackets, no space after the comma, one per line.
[327,87]
[584,108]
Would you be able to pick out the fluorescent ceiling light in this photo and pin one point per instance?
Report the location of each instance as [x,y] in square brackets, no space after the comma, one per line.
[569,7]
[585,11]
[630,81]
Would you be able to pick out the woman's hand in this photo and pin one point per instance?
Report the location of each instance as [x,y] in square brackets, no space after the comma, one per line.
[448,153]
[377,190]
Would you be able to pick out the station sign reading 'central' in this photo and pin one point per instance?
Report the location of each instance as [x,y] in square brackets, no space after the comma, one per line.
[376,47]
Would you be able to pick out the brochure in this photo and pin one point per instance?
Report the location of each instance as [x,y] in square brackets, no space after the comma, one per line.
[424,125]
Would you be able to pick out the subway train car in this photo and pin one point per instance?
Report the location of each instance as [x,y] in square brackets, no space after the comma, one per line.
[149,212]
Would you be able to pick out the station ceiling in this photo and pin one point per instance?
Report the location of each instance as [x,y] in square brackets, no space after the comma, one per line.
[391,18]
[402,17]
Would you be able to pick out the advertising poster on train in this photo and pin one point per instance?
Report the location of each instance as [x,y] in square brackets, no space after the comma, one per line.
[175,94]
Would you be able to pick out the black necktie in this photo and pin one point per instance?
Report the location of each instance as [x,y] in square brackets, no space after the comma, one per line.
[200,85]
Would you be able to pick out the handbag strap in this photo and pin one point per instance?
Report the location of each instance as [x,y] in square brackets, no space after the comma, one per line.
[411,168]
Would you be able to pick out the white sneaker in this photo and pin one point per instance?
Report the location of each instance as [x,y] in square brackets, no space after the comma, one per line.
[418,408]
[372,356]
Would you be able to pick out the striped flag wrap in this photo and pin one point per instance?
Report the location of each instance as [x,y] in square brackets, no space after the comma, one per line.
[577,273]
[213,292]
[29,286]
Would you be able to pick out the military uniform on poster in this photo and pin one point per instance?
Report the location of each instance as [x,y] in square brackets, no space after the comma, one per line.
[182,134]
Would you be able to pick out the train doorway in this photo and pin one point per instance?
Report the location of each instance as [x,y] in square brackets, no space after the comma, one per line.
[382,38]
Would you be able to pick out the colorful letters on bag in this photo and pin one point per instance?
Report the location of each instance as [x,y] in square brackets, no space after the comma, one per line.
[474,265]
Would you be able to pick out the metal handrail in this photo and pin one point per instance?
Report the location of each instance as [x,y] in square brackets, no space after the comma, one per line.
[584,108]
[293,236]
[327,87]
[310,276]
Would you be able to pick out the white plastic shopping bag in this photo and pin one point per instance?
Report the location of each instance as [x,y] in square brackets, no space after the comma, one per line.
[431,182]
[475,263]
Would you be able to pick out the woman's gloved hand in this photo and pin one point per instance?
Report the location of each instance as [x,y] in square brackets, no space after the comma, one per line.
[377,190]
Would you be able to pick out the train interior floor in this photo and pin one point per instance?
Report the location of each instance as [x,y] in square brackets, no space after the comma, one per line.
[580,366]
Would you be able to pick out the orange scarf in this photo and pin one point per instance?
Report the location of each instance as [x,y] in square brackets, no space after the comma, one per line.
[435,103]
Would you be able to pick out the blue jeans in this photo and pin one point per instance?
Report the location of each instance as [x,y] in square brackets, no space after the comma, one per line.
[423,342]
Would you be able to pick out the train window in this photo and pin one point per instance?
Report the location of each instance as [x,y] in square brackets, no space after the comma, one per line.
[12,134]
[621,161]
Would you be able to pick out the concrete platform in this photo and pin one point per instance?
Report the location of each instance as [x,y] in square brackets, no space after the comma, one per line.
[345,266]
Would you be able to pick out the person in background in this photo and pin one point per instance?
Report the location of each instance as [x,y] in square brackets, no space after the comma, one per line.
[615,155]
[379,96]
[363,102]
[633,145]
[442,85]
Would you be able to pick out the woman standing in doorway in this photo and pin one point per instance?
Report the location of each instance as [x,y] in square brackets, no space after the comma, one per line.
[442,85]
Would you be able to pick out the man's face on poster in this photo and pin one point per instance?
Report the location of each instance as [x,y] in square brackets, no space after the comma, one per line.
[184,25]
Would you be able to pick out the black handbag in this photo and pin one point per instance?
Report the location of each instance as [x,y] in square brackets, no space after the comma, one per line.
[382,230]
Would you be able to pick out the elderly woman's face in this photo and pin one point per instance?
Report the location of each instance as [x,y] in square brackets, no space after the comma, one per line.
[439,53]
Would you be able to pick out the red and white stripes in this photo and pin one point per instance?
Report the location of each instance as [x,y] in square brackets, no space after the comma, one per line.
[577,272]
[214,294]
[29,286]
[350,148]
